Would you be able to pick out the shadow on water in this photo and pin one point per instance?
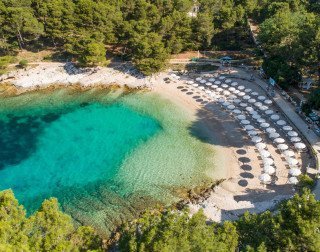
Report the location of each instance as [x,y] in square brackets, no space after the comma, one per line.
[18,137]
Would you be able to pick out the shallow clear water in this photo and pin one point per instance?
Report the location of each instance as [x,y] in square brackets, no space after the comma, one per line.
[103,154]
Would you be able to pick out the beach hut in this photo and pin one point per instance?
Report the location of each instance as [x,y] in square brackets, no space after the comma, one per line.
[265,178]
[294,172]
[293,181]
[268,169]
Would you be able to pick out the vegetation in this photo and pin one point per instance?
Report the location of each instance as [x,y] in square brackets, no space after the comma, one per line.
[294,227]
[23,63]
[46,230]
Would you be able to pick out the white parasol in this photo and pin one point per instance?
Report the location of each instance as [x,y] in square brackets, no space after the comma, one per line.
[256,116]
[300,146]
[231,107]
[265,178]
[294,172]
[261,98]
[241,88]
[249,127]
[241,117]
[269,112]
[254,94]
[292,161]
[243,104]
[281,123]
[246,97]
[279,140]
[249,109]
[237,101]
[269,169]
[275,117]
[268,102]
[258,104]
[288,153]
[234,84]
[271,130]
[287,128]
[263,108]
[295,139]
[248,90]
[265,153]
[261,146]
[252,133]
[292,134]
[293,180]
[252,100]
[236,111]
[273,135]
[256,139]
[261,120]
[265,125]
[282,147]
[245,122]
[268,161]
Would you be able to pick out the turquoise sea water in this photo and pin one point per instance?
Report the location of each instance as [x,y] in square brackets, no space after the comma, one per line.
[103,154]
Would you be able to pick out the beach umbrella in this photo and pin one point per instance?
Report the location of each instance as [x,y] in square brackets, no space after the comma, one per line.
[252,100]
[268,161]
[288,153]
[201,88]
[228,81]
[212,79]
[254,94]
[231,89]
[249,127]
[256,139]
[269,112]
[209,84]
[281,122]
[263,108]
[264,125]
[261,120]
[208,91]
[274,135]
[245,122]
[236,101]
[295,139]
[195,85]
[268,102]
[292,161]
[246,97]
[261,146]
[300,146]
[261,98]
[265,153]
[226,92]
[248,90]
[279,140]
[282,147]
[252,133]
[219,90]
[217,82]
[232,96]
[293,181]
[222,78]
[236,111]
[241,88]
[241,117]
[234,84]
[253,112]
[258,104]
[224,85]
[236,92]
[241,94]
[294,172]
[225,104]
[268,169]
[243,104]
[292,134]
[265,178]
[203,81]
[287,128]
[271,130]
[214,86]
[275,117]
[256,116]
[198,79]
[249,109]
[231,107]
[213,95]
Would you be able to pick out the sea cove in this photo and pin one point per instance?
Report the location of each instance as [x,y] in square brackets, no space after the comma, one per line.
[105,154]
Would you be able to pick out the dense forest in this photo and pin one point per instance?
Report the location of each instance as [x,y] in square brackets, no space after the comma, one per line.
[293,227]
[148,31]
